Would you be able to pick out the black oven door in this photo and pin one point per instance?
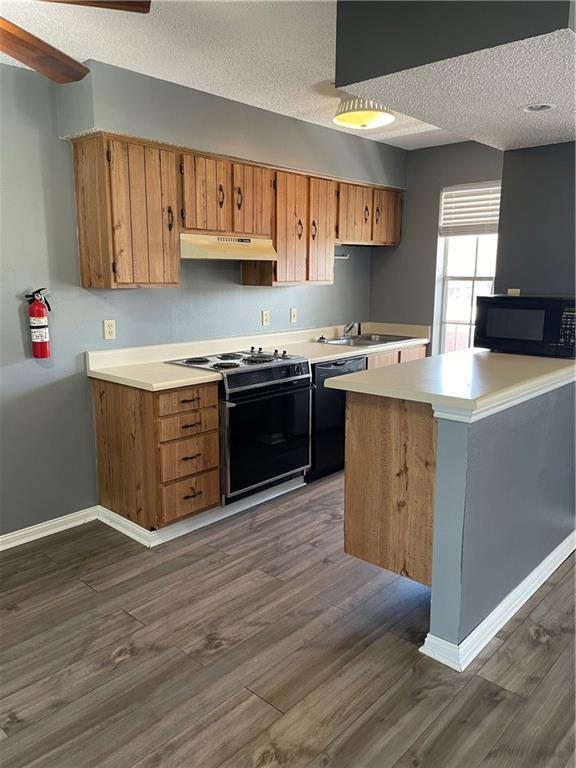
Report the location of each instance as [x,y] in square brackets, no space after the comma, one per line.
[266,437]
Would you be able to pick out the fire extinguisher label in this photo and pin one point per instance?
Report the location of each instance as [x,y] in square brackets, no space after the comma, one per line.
[37,321]
[40,334]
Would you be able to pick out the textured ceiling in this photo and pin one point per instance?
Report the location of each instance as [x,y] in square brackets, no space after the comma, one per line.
[481,95]
[275,55]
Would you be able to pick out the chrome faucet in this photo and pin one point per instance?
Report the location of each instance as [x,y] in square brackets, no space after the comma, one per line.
[348,328]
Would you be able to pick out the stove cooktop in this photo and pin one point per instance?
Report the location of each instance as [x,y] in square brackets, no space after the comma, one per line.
[229,362]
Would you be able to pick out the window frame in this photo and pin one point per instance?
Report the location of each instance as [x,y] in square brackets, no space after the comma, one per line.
[447,279]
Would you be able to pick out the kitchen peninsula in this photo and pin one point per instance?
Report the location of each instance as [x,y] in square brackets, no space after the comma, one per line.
[460,474]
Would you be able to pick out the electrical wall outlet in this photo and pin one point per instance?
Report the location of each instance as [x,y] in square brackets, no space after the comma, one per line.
[293,315]
[513,291]
[265,317]
[109,329]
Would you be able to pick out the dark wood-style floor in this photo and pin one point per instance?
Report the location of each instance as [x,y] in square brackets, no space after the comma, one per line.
[258,643]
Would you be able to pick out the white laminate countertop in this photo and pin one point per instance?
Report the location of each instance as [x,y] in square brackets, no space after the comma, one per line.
[136,369]
[465,385]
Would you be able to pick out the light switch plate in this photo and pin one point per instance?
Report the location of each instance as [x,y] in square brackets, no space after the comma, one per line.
[265,317]
[293,315]
[109,329]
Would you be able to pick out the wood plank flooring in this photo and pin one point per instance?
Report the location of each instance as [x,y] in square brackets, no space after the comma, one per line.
[257,643]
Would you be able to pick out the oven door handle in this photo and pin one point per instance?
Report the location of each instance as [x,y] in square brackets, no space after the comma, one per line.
[284,393]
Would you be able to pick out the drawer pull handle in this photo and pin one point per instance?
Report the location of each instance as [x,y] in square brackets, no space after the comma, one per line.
[190,426]
[190,458]
[192,495]
[190,400]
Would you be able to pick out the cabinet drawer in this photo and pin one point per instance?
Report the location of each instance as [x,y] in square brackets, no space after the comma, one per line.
[189,399]
[190,423]
[191,495]
[187,457]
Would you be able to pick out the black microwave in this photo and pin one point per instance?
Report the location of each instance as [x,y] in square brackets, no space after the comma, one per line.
[526,325]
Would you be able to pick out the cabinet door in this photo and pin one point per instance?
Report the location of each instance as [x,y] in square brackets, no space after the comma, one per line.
[253,201]
[291,227]
[322,230]
[412,353]
[382,359]
[206,193]
[355,214]
[143,196]
[387,214]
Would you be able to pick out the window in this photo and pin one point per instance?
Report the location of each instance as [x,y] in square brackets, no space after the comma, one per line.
[467,250]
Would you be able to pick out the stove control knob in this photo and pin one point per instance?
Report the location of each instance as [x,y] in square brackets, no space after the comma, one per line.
[259,350]
[276,353]
[252,349]
[284,354]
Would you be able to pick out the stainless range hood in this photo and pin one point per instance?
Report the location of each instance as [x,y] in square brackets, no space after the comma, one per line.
[226,248]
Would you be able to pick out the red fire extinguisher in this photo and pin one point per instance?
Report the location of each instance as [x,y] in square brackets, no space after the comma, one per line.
[38,317]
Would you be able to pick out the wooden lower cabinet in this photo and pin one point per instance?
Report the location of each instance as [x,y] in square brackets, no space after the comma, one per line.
[383,359]
[389,483]
[158,452]
[412,353]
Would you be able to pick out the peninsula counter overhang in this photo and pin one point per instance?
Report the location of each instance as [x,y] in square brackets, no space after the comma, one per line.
[463,386]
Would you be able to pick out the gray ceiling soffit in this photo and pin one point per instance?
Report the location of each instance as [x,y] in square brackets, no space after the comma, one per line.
[379,38]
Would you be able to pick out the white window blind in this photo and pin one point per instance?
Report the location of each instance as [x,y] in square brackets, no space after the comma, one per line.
[470,210]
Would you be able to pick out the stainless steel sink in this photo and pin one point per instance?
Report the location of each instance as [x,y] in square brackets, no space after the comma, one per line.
[366,340]
[381,338]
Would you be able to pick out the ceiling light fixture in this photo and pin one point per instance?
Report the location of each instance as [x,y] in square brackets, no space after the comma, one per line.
[533,108]
[361,114]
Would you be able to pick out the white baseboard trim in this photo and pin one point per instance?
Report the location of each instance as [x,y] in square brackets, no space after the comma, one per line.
[460,656]
[136,532]
[33,532]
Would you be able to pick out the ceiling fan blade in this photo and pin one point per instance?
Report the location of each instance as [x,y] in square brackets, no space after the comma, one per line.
[135,6]
[38,55]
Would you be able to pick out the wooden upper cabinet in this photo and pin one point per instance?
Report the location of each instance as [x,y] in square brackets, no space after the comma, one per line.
[206,193]
[291,227]
[355,214]
[387,216]
[127,211]
[253,199]
[144,206]
[322,230]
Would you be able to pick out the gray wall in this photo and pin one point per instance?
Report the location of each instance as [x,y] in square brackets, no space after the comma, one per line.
[504,501]
[536,248]
[48,458]
[377,38]
[404,278]
[118,100]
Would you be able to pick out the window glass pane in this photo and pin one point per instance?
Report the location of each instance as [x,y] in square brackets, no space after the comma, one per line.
[481,288]
[455,337]
[461,256]
[458,301]
[487,255]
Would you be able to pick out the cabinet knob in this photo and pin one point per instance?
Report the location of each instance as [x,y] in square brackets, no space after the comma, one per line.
[190,458]
[366,213]
[239,198]
[190,399]
[377,215]
[300,229]
[221,196]
[314,230]
[170,218]
[191,426]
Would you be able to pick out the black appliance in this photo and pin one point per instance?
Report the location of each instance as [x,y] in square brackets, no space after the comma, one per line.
[265,417]
[526,325]
[329,416]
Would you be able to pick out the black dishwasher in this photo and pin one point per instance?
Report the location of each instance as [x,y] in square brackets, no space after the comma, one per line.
[328,416]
